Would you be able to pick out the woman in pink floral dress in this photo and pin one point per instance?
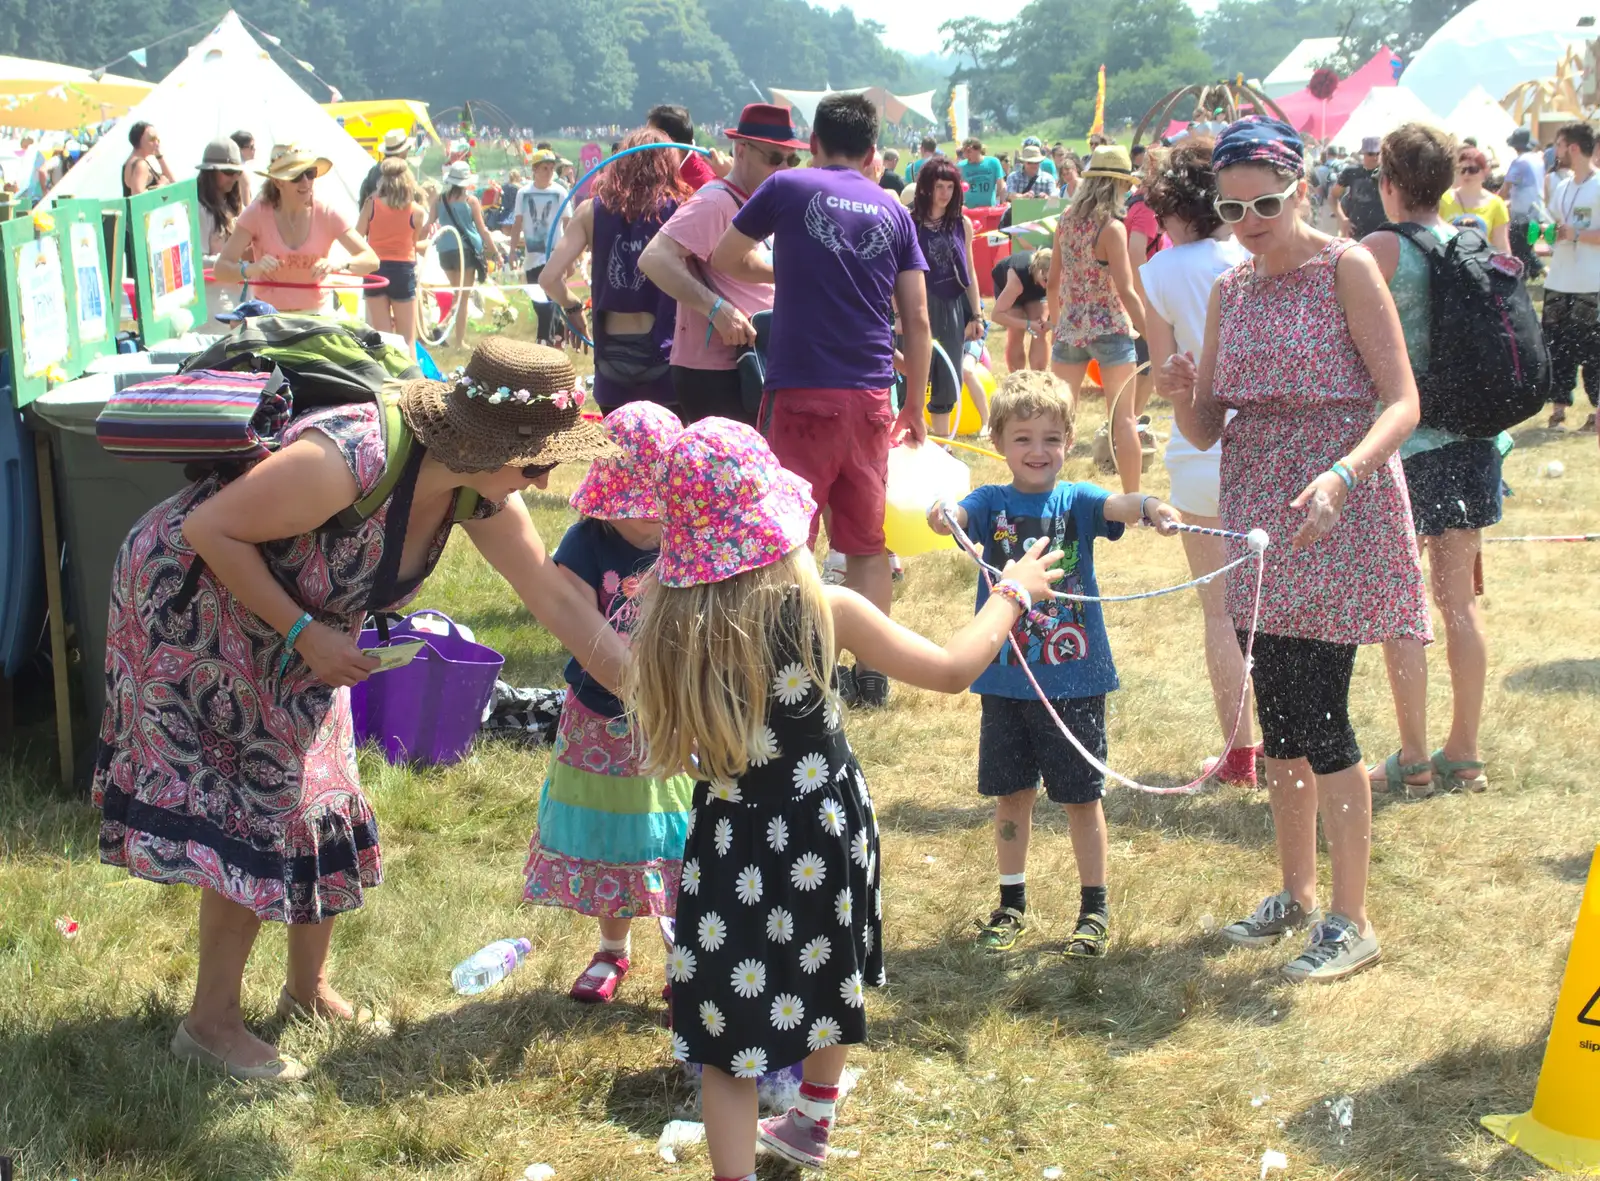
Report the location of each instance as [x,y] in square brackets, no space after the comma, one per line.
[1303,340]
[227,758]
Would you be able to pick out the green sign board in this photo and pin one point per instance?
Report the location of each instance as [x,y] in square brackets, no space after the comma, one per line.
[93,302]
[37,309]
[167,267]
[1031,209]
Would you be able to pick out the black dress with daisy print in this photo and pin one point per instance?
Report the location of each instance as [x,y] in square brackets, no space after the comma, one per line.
[779,916]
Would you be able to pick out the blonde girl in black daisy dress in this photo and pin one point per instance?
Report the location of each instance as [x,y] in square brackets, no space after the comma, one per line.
[779,913]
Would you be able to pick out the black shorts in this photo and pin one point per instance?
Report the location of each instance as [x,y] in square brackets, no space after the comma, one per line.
[1018,744]
[707,393]
[1303,700]
[1141,351]
[1455,487]
[402,278]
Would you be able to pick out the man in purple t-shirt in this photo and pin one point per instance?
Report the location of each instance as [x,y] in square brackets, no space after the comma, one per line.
[845,257]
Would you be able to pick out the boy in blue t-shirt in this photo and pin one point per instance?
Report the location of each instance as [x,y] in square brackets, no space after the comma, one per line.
[1030,420]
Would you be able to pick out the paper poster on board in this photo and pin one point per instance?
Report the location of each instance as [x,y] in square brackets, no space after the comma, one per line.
[171,257]
[85,243]
[42,302]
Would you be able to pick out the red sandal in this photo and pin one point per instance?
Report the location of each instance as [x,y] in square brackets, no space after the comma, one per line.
[592,990]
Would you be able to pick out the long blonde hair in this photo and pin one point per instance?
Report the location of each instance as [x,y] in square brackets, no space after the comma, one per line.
[1098,199]
[397,188]
[705,658]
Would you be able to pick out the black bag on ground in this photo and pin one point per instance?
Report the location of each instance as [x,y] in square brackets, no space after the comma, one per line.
[1488,368]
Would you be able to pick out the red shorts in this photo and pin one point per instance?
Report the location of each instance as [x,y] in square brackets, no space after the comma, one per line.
[838,440]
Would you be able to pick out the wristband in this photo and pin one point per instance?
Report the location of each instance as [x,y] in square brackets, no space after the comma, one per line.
[244,271]
[572,309]
[711,318]
[1016,594]
[1342,470]
[300,625]
[1144,516]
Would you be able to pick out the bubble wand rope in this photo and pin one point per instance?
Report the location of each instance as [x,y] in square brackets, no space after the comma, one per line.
[555,222]
[1194,785]
[1568,537]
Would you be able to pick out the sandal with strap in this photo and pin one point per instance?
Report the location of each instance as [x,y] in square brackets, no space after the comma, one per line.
[591,989]
[1089,937]
[1395,777]
[1446,779]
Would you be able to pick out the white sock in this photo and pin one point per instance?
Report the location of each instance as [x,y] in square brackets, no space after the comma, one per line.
[622,947]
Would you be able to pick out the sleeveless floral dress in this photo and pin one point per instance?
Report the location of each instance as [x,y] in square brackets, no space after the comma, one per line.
[1287,363]
[214,771]
[779,922]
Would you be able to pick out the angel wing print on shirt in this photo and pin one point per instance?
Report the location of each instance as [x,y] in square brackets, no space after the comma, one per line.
[620,275]
[821,226]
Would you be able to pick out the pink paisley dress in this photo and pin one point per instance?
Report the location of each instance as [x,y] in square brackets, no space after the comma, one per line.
[213,771]
[1287,363]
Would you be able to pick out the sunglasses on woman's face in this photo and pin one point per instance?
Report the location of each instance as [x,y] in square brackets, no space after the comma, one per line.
[309,174]
[535,471]
[1269,206]
[1468,169]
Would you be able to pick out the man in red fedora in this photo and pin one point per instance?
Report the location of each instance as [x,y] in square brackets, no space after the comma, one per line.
[705,372]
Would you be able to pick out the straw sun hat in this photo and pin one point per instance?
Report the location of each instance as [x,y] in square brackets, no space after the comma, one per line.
[1112,162]
[290,160]
[513,404]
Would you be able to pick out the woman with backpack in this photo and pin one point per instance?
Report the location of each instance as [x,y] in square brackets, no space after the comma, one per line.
[1455,491]
[227,759]
[464,253]
[394,221]
[289,234]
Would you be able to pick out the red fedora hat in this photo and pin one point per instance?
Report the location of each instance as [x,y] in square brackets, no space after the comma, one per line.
[767,124]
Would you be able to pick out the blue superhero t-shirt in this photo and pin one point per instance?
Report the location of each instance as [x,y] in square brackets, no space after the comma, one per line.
[1067,650]
[597,553]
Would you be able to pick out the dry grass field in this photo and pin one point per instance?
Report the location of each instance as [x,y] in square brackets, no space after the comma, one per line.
[1171,1059]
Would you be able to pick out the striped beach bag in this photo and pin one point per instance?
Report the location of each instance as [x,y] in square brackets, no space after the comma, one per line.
[203,419]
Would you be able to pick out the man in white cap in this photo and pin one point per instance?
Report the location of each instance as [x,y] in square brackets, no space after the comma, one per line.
[531,218]
[1355,197]
[395,143]
[1030,179]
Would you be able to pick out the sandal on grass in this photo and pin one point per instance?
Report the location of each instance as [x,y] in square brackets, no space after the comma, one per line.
[598,988]
[1395,776]
[1446,779]
[1089,937]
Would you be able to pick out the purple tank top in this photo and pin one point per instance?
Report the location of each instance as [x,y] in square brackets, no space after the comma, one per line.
[619,284]
[946,252]
[633,366]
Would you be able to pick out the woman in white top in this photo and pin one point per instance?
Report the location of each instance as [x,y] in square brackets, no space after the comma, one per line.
[1177,285]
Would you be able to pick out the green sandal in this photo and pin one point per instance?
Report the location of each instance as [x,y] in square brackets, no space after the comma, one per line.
[1395,776]
[1446,779]
[1089,937]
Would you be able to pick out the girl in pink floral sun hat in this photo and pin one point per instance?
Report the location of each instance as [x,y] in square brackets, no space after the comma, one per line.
[779,917]
[610,838]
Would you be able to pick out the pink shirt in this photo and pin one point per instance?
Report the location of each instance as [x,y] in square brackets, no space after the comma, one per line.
[327,225]
[698,226]
[695,171]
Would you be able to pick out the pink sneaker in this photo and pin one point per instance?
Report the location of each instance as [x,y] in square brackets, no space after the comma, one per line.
[592,990]
[784,1136]
[1238,766]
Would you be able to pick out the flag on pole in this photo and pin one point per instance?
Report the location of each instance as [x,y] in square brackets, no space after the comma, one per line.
[1099,127]
[140,57]
[960,119]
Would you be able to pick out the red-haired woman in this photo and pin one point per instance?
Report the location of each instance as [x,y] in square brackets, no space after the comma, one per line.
[634,320]
[954,308]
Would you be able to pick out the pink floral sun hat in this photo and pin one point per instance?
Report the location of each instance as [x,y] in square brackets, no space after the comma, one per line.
[627,487]
[728,505]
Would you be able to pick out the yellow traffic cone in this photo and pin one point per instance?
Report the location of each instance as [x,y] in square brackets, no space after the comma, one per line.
[1563,1129]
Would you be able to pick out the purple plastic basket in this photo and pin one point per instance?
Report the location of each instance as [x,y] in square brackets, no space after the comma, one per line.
[429,710]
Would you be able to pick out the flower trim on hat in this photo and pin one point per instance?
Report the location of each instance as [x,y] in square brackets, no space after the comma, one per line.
[560,399]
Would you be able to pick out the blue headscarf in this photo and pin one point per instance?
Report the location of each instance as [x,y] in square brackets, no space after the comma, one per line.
[1257,139]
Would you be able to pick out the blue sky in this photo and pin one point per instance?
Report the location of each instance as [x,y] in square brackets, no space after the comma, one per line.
[913,25]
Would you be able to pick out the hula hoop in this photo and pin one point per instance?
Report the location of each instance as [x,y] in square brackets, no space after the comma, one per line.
[369,283]
[988,574]
[455,306]
[972,447]
[1570,537]
[555,222]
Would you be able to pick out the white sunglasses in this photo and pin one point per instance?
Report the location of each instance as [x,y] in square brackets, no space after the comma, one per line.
[1268,206]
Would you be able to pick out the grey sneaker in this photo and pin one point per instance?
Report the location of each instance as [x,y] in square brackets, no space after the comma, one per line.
[1336,950]
[1276,917]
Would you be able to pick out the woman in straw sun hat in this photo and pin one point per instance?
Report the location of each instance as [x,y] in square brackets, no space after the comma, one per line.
[227,760]
[462,254]
[289,235]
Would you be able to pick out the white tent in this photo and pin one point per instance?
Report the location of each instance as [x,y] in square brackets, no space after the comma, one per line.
[893,107]
[1294,72]
[227,83]
[1478,116]
[1496,44]
[1384,109]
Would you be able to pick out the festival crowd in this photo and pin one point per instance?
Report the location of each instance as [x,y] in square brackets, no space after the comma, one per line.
[750,322]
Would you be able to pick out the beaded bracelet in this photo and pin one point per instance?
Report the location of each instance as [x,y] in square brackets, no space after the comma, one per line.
[300,625]
[1015,593]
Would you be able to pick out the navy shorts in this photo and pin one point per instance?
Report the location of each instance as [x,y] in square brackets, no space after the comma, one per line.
[1456,486]
[402,278]
[1018,744]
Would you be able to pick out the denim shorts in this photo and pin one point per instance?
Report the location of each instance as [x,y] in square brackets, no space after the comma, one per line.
[402,278]
[1114,349]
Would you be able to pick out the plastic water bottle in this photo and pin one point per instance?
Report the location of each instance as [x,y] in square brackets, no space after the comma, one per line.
[490,965]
